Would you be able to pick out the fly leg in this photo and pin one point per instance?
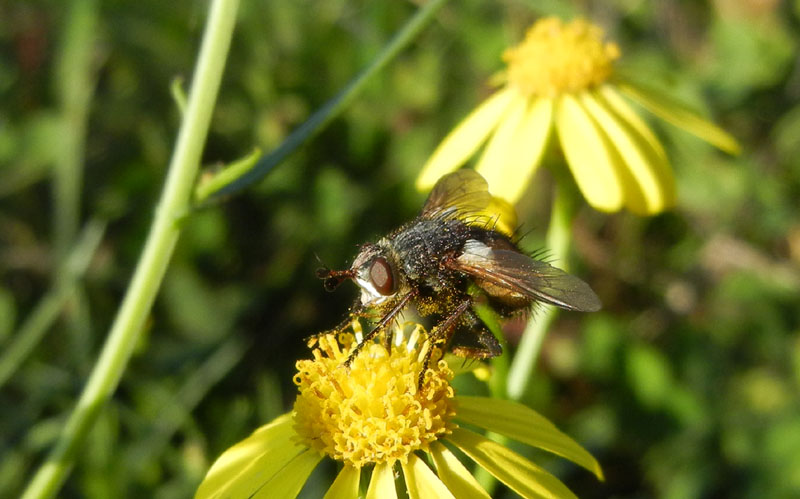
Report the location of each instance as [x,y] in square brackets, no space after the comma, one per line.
[380,326]
[388,339]
[356,311]
[441,334]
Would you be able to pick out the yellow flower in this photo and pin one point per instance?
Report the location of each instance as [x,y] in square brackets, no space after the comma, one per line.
[561,76]
[372,415]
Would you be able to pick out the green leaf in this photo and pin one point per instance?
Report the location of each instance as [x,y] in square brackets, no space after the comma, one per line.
[649,375]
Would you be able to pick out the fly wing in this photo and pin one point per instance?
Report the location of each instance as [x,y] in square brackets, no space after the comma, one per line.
[522,274]
[460,194]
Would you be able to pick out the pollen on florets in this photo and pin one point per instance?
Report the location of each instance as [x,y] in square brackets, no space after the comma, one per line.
[558,57]
[372,412]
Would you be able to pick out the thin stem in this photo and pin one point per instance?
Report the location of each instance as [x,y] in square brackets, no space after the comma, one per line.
[207,187]
[157,252]
[558,244]
[326,113]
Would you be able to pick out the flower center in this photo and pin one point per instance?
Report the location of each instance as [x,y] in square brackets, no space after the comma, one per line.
[372,412]
[558,58]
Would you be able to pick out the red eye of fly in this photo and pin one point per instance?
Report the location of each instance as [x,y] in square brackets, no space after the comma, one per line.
[380,273]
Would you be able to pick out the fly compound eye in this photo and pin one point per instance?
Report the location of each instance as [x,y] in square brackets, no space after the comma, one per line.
[380,274]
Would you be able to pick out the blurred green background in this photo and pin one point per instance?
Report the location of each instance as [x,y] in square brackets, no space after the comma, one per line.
[685,385]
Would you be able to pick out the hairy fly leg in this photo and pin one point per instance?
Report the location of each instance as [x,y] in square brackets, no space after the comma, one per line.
[440,335]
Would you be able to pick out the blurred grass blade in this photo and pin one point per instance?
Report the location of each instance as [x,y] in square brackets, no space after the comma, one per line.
[74,85]
[47,310]
[172,416]
[327,112]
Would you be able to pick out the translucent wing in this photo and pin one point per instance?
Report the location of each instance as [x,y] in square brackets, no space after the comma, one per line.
[518,273]
[458,194]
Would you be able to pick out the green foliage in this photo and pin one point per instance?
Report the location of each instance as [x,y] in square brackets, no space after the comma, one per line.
[686,384]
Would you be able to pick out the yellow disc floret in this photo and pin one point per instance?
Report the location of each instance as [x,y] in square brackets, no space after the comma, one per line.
[371,412]
[558,58]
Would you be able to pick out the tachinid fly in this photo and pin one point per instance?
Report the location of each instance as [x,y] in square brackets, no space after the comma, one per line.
[441,258]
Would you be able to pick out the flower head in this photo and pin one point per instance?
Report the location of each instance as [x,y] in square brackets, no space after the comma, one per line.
[562,76]
[371,413]
[557,58]
[373,416]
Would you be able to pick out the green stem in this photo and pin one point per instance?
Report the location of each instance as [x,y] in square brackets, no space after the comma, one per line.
[157,252]
[208,186]
[214,189]
[74,82]
[558,245]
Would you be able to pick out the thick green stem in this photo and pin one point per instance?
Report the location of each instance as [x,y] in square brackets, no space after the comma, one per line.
[157,252]
[558,245]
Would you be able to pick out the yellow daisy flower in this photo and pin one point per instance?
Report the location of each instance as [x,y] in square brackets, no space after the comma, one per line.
[562,76]
[373,416]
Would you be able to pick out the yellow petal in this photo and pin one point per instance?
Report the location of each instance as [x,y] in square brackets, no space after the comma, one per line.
[346,484]
[465,139]
[652,175]
[243,468]
[291,478]
[455,476]
[519,474]
[498,149]
[381,485]
[679,114]
[423,483]
[594,165]
[621,107]
[522,423]
[510,170]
